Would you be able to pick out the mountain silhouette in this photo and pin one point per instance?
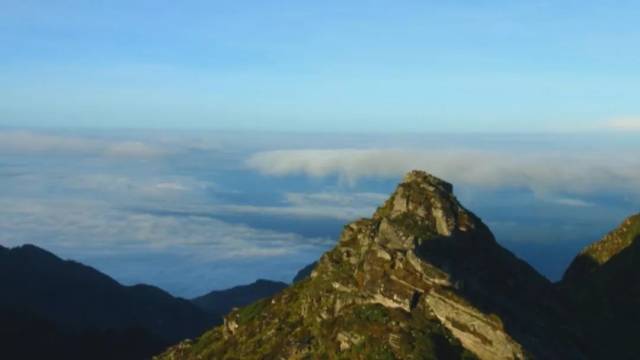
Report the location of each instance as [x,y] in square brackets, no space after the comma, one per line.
[54,308]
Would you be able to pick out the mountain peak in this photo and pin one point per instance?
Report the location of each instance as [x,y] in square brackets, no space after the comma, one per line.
[423,178]
[423,277]
[423,204]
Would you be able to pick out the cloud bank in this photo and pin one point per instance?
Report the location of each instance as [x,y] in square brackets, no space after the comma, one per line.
[540,171]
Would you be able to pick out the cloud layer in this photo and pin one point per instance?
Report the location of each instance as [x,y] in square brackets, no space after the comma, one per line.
[540,171]
[196,211]
[98,226]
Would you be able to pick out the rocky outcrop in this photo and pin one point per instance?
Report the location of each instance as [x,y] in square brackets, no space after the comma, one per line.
[423,278]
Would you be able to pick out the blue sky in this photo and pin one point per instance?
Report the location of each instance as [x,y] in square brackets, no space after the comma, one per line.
[482,66]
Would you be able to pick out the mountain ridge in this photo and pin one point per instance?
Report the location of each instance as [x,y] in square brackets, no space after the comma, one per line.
[65,309]
[602,284]
[79,296]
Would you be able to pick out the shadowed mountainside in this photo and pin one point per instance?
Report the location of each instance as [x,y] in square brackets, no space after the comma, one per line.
[27,335]
[603,287]
[73,310]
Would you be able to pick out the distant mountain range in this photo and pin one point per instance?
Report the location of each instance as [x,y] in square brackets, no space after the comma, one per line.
[424,278]
[52,308]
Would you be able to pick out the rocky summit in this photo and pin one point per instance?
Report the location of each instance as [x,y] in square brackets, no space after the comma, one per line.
[423,278]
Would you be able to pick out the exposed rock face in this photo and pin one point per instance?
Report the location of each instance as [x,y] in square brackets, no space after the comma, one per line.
[422,279]
[603,286]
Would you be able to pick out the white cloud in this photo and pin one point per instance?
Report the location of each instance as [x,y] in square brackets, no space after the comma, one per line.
[539,170]
[573,202]
[119,186]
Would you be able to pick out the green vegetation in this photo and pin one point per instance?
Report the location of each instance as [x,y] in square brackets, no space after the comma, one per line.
[250,312]
[372,313]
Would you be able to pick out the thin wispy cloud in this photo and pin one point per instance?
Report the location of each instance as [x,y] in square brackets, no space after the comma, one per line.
[335,199]
[573,202]
[96,226]
[123,186]
[29,142]
[339,206]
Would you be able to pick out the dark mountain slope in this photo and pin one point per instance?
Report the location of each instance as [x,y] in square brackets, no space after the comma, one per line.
[79,296]
[603,285]
[26,335]
[74,302]
[422,279]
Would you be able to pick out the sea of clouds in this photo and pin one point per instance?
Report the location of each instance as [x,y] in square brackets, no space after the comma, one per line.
[196,211]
